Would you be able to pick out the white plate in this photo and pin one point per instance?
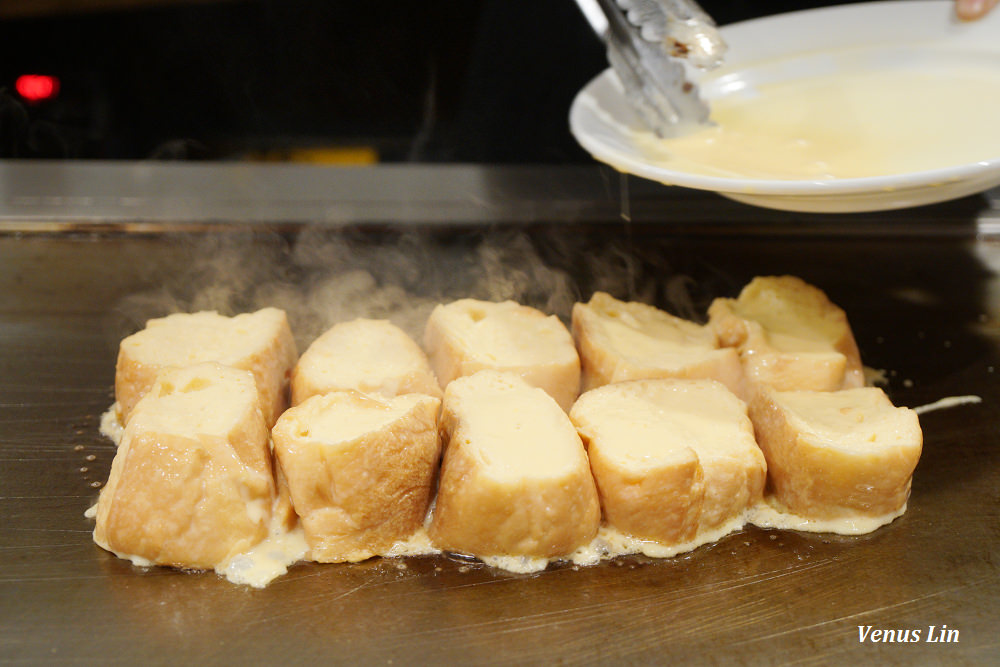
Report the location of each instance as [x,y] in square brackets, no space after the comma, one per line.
[897,34]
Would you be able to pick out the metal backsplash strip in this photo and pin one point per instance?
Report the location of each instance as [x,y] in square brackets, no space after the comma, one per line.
[57,196]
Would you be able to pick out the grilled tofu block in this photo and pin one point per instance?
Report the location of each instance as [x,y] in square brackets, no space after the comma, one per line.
[837,454]
[191,484]
[259,342]
[619,340]
[370,356]
[359,468]
[789,335]
[515,480]
[467,336]
[672,458]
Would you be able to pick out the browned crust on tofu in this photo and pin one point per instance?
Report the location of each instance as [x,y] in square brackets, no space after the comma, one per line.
[603,363]
[480,515]
[678,492]
[818,479]
[773,367]
[357,499]
[662,505]
[475,515]
[184,501]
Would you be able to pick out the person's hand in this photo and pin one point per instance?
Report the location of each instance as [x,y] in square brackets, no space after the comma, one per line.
[970,10]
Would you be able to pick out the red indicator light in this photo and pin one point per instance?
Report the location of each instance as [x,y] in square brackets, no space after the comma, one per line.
[37,87]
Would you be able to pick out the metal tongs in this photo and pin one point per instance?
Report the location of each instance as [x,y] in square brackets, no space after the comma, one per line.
[647,41]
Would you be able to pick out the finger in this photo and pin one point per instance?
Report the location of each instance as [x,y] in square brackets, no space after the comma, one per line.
[970,10]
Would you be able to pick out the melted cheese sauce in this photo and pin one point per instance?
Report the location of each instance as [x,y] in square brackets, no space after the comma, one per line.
[267,560]
[947,402]
[111,428]
[770,514]
[852,124]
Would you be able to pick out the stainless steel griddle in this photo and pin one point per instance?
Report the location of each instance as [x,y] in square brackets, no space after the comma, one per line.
[88,251]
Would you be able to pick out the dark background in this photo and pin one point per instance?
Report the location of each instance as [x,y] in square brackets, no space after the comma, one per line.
[469,81]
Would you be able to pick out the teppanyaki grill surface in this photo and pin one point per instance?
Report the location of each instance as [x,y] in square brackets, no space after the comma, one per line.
[924,309]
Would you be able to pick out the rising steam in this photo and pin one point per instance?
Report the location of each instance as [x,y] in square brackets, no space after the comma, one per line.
[322,276]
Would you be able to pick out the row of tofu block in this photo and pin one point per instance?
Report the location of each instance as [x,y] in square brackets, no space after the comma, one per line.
[678,429]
